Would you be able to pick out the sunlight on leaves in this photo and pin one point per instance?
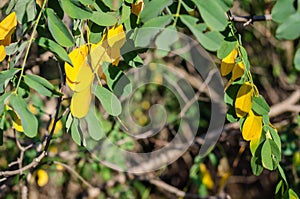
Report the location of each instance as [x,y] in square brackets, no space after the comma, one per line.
[7,27]
[243,101]
[252,127]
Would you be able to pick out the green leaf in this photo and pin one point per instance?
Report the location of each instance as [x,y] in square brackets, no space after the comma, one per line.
[25,10]
[75,131]
[278,187]
[270,154]
[153,8]
[245,57]
[231,93]
[210,40]
[213,13]
[126,11]
[75,9]
[104,18]
[282,10]
[275,137]
[113,5]
[28,120]
[117,81]
[282,174]
[86,2]
[94,124]
[41,85]
[256,166]
[290,29]
[55,48]
[3,101]
[226,48]
[109,101]
[6,76]
[260,106]
[292,194]
[166,38]
[58,30]
[297,59]
[150,29]
[230,115]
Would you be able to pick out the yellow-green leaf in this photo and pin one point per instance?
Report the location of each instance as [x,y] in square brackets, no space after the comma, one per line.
[228,62]
[243,102]
[237,71]
[43,177]
[252,127]
[80,103]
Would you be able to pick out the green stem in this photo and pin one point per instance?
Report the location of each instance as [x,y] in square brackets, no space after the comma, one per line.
[177,13]
[29,45]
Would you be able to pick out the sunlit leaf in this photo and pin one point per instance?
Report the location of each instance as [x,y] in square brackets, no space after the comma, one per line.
[116,36]
[80,103]
[78,56]
[84,77]
[252,127]
[8,25]
[243,102]
[228,62]
[237,71]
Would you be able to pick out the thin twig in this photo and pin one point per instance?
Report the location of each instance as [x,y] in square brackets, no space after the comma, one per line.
[71,170]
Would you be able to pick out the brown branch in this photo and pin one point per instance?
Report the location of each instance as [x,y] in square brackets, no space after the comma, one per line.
[288,105]
[177,192]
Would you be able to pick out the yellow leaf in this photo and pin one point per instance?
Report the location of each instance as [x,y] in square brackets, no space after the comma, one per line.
[42,177]
[80,103]
[137,7]
[252,127]
[116,36]
[2,53]
[77,56]
[243,102]
[84,78]
[228,62]
[238,71]
[8,26]
[206,179]
[98,55]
